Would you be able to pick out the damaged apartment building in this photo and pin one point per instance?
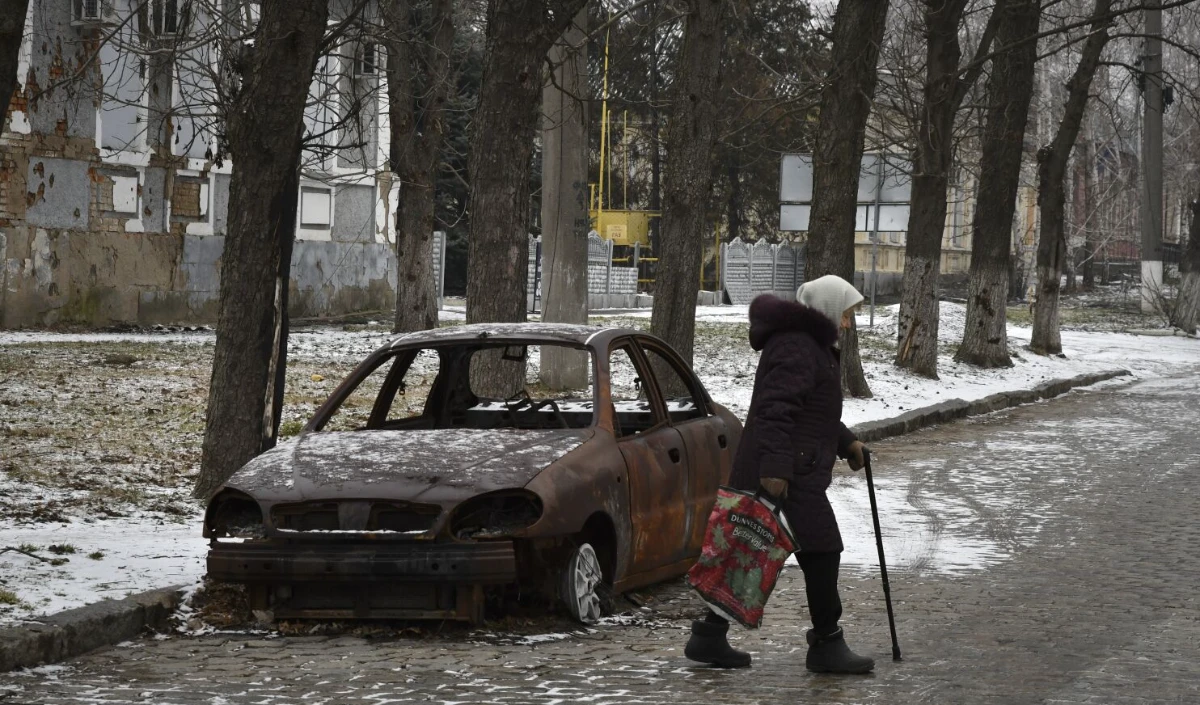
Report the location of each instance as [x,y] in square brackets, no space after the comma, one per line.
[114,190]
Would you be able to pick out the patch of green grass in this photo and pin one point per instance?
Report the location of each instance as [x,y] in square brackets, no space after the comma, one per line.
[8,597]
[96,555]
[39,432]
[59,561]
[29,548]
[1020,316]
[61,549]
[110,495]
[287,429]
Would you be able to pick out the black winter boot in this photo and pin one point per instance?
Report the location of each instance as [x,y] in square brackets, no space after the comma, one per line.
[709,645]
[829,654]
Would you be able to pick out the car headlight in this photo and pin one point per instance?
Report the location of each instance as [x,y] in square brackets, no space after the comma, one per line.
[496,514]
[234,514]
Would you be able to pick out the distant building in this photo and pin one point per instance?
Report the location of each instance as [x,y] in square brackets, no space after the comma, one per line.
[114,190]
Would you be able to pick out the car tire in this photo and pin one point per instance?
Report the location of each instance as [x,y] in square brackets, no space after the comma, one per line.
[582,583]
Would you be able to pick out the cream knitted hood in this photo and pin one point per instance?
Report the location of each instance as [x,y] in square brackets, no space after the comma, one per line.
[831,295]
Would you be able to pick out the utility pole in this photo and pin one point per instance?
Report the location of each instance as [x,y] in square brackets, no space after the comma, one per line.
[1152,159]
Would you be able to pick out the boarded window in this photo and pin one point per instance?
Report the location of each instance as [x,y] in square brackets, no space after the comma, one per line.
[125,194]
[316,207]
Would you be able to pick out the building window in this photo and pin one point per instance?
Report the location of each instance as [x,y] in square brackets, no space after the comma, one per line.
[366,59]
[94,12]
[164,17]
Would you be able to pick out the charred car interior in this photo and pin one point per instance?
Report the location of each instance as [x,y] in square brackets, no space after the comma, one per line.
[409,494]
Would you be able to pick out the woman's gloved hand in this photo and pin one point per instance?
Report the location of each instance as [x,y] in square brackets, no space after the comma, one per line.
[856,458]
[774,486]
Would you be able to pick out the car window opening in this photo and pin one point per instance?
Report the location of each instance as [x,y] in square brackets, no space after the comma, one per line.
[633,412]
[432,388]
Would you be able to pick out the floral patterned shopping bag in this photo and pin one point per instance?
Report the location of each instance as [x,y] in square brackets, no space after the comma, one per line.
[745,547]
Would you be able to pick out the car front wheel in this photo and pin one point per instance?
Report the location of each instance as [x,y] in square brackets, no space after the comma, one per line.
[581,582]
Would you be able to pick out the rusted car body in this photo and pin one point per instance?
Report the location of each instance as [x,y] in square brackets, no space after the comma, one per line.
[413,514]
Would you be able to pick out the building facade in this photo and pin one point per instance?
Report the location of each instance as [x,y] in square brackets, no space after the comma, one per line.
[114,189]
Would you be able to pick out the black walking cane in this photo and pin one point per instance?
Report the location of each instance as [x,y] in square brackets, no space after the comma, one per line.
[887,588]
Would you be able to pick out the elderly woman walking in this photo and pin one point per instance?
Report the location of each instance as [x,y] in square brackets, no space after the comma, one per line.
[793,436]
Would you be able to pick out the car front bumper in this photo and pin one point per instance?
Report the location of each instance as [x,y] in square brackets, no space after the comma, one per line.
[486,563]
[367,581]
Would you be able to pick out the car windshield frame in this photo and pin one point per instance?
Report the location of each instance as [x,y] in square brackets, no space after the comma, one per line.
[394,377]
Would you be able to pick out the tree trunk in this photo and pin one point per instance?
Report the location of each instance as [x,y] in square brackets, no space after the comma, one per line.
[845,106]
[265,127]
[985,337]
[1078,219]
[565,221]
[655,143]
[918,328]
[419,83]
[1188,309]
[12,28]
[733,205]
[1091,225]
[1052,171]
[691,139]
[518,35]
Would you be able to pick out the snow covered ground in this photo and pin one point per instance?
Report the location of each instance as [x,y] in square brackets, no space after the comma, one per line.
[100,435]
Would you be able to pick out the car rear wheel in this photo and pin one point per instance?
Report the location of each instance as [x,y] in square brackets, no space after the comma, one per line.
[581,582]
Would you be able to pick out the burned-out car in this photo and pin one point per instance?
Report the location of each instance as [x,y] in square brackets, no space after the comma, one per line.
[411,490]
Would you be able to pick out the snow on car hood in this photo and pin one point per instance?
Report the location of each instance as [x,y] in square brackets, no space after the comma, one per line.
[431,465]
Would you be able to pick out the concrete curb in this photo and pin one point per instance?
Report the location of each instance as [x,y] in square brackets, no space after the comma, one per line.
[73,632]
[959,409]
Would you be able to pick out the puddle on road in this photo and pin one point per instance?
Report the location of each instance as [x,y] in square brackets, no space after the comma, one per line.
[914,541]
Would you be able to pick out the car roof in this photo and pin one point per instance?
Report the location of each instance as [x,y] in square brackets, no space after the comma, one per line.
[590,336]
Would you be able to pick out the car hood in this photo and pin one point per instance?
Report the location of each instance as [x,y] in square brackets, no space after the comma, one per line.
[433,466]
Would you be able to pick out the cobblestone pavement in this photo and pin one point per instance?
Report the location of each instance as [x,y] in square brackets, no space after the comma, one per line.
[1088,595]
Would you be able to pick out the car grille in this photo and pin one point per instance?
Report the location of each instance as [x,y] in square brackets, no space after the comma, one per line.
[365,516]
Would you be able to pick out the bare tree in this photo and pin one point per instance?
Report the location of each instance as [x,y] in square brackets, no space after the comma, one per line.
[1010,89]
[12,28]
[687,184]
[265,130]
[1188,308]
[420,38]
[945,88]
[564,203]
[858,28]
[1052,170]
[519,34]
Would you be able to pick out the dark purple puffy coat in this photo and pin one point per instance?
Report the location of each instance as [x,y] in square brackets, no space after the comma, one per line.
[794,428]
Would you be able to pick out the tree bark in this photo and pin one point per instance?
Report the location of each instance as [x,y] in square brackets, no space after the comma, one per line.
[655,141]
[1052,171]
[1090,230]
[12,29]
[985,337]
[264,127]
[845,106]
[565,222]
[518,35]
[1188,309]
[420,79]
[733,205]
[687,182]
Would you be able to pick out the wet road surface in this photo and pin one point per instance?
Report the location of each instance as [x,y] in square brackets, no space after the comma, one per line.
[1049,554]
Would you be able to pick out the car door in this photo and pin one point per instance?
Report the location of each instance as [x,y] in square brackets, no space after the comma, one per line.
[706,436]
[656,460]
